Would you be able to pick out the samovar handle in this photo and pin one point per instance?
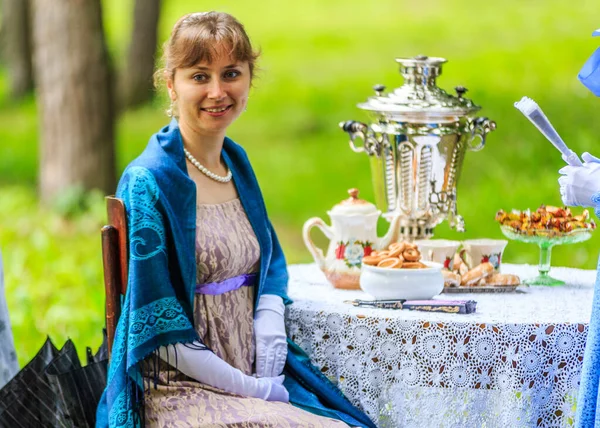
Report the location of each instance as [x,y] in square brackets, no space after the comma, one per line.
[356,130]
[479,127]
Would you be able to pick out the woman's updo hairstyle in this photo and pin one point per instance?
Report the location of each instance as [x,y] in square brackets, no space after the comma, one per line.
[196,37]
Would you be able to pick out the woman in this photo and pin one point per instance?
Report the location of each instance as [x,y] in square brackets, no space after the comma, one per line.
[216,317]
[8,358]
[580,186]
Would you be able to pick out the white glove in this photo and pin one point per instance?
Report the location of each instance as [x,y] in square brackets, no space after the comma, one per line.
[269,335]
[587,158]
[207,368]
[579,183]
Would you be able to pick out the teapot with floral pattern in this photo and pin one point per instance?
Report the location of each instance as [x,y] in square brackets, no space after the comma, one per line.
[352,235]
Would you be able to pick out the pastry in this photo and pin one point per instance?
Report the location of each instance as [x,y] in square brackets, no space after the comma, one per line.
[458,266]
[390,262]
[546,220]
[397,255]
[372,260]
[396,249]
[500,279]
[411,255]
[473,276]
[395,245]
[451,279]
[413,265]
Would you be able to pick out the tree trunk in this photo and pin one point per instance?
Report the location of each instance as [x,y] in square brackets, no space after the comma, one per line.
[74,93]
[136,85]
[16,41]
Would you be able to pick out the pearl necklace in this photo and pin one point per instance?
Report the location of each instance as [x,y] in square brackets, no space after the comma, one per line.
[205,170]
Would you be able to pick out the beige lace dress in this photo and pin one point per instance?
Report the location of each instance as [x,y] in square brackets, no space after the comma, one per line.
[225,247]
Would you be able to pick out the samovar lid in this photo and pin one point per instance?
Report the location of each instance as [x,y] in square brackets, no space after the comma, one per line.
[419,97]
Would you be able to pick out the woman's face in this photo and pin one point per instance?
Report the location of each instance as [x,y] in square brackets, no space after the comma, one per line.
[210,96]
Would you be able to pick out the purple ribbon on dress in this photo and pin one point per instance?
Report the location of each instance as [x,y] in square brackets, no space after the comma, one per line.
[230,284]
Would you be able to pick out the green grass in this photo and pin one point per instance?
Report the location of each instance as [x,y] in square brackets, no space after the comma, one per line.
[53,270]
[319,59]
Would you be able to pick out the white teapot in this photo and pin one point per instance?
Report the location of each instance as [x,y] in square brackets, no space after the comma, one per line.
[352,235]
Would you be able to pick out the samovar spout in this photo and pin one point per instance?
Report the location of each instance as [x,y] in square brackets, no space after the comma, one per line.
[456,222]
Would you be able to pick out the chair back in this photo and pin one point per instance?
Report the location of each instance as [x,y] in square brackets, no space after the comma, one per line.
[115,262]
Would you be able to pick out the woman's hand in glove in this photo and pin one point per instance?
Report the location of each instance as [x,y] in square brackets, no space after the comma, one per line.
[578,184]
[275,388]
[270,337]
[206,367]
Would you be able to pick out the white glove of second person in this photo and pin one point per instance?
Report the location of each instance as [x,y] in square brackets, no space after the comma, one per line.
[579,183]
[269,335]
[587,158]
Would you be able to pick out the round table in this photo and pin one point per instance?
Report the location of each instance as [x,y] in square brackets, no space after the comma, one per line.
[516,362]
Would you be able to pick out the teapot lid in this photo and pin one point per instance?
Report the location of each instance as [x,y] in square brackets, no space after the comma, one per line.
[354,206]
[419,96]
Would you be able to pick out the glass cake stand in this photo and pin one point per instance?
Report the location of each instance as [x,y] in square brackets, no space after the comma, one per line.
[546,239]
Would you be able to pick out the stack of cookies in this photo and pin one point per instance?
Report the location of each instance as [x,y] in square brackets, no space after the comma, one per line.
[399,255]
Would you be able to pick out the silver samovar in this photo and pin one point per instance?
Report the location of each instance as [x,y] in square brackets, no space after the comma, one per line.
[416,145]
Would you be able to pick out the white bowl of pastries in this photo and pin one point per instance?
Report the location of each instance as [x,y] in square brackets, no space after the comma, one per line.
[399,273]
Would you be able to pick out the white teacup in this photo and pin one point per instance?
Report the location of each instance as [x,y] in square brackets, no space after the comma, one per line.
[438,250]
[477,251]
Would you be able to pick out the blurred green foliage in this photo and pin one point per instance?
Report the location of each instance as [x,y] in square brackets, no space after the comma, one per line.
[319,59]
[53,269]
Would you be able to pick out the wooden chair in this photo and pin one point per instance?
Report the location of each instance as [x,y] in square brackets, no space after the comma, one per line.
[115,259]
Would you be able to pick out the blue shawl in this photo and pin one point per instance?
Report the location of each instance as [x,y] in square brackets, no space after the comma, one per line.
[160,200]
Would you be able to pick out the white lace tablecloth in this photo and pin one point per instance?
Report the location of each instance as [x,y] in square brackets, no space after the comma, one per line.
[514,363]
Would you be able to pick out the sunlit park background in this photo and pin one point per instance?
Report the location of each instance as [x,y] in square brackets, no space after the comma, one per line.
[319,59]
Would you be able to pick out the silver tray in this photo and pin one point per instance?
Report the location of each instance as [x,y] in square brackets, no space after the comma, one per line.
[484,289]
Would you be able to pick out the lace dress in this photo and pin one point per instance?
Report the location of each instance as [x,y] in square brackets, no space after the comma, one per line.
[225,247]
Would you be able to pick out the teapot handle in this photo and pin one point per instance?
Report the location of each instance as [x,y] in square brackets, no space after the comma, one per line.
[316,252]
